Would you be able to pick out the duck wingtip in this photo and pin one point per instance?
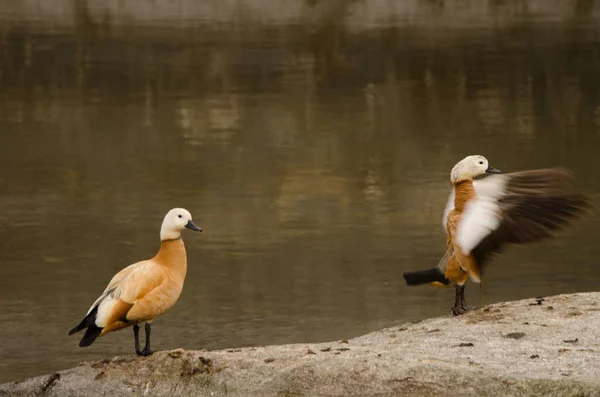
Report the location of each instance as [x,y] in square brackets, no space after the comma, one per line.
[90,336]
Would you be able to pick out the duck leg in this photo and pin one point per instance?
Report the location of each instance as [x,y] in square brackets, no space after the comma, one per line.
[147,351]
[136,335]
[463,302]
[460,304]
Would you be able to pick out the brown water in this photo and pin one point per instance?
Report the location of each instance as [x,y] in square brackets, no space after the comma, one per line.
[312,142]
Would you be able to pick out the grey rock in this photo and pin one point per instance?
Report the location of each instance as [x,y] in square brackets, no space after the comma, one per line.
[469,355]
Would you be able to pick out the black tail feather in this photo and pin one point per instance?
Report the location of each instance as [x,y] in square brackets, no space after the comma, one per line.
[90,336]
[88,321]
[425,277]
[92,331]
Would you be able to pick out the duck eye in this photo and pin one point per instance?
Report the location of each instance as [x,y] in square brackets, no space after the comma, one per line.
[481,162]
[180,216]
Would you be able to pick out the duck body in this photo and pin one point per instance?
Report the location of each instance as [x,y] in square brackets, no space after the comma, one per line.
[460,266]
[144,290]
[141,291]
[482,216]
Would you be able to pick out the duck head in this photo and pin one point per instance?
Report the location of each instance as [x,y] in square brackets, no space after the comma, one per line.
[175,221]
[471,167]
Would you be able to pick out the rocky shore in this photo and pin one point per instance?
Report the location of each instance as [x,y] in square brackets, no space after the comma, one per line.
[548,347]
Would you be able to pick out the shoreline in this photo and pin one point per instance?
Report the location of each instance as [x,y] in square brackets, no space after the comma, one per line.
[518,348]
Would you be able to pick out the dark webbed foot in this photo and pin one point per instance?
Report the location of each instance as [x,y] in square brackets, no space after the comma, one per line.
[460,305]
[458,310]
[145,353]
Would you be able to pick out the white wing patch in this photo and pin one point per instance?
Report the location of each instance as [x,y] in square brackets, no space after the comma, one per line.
[104,310]
[492,187]
[480,217]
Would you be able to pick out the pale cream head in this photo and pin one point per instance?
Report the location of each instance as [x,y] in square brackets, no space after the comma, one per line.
[175,221]
[471,167]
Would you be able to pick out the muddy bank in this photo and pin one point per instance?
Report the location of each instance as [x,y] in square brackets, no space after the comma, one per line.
[521,348]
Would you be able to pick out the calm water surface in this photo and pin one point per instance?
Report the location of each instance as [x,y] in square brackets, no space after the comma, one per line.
[312,142]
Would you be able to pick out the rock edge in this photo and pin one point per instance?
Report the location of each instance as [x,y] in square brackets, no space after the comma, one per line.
[530,347]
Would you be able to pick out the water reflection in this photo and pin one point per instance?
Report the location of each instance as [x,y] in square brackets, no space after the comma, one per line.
[311,140]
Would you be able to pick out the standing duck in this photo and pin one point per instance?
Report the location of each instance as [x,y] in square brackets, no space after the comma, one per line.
[142,291]
[482,216]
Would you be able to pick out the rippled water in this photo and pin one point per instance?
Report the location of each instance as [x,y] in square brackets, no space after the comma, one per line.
[312,141]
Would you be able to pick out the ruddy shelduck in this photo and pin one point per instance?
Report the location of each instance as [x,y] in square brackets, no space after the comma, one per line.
[142,291]
[484,215]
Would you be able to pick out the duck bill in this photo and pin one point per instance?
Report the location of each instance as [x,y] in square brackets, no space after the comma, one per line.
[492,170]
[192,226]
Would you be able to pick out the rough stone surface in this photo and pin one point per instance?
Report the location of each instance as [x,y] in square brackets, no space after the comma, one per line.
[517,348]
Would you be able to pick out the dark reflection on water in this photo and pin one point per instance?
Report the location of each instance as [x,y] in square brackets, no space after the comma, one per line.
[314,150]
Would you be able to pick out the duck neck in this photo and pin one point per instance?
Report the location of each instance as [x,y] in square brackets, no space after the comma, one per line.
[173,256]
[463,192]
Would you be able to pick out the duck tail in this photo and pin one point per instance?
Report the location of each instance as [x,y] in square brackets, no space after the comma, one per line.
[90,335]
[428,276]
[92,331]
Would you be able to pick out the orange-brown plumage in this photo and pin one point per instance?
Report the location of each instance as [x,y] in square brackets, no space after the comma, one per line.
[144,290]
[485,215]
[463,265]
